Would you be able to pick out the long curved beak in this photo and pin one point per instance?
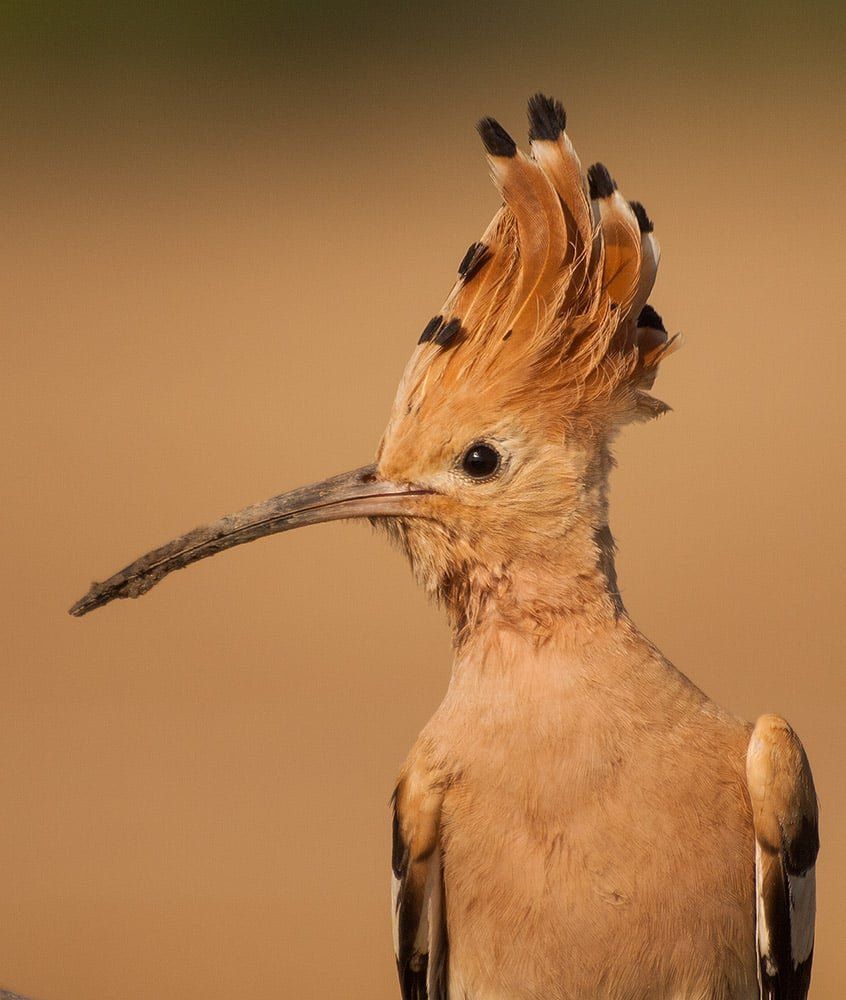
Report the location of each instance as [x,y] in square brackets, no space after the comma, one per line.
[359,493]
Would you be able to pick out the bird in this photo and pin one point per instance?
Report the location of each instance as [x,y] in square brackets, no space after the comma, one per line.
[577,819]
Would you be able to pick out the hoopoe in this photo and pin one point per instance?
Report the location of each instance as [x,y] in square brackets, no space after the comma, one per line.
[577,820]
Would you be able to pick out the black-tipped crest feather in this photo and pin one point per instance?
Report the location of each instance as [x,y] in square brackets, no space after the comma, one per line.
[430,329]
[467,259]
[600,181]
[448,333]
[643,221]
[650,319]
[497,141]
[547,118]
[473,261]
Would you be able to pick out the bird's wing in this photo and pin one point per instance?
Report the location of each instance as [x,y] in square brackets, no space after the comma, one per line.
[419,912]
[784,808]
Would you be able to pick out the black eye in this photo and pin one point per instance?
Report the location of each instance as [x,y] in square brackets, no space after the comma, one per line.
[480,461]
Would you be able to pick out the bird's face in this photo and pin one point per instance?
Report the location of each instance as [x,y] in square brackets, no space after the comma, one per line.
[501,482]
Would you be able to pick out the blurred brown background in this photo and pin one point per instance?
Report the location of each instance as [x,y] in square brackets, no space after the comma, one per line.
[222,230]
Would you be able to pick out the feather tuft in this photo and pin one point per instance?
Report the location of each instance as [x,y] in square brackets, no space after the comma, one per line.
[649,318]
[473,261]
[551,300]
[430,329]
[601,183]
[497,141]
[447,333]
[547,118]
[643,221]
[649,408]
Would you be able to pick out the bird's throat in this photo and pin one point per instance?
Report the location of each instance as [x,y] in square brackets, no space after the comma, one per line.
[570,591]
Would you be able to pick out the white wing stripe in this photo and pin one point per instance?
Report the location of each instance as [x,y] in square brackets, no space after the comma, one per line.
[803,900]
[395,891]
[763,931]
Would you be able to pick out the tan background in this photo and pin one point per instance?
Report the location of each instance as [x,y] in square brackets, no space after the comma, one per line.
[221,234]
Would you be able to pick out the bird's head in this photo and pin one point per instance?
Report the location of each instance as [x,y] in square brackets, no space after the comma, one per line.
[496,449]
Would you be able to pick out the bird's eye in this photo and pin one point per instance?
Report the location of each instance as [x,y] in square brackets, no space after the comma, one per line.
[480,461]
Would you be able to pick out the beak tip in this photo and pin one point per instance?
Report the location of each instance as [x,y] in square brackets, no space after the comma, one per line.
[115,588]
[87,603]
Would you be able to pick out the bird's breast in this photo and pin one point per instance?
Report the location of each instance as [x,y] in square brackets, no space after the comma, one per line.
[580,856]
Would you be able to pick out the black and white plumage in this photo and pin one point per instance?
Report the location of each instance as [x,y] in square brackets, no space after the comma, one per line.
[418,908]
[785,817]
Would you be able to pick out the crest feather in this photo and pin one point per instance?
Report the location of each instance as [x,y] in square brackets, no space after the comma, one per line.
[550,301]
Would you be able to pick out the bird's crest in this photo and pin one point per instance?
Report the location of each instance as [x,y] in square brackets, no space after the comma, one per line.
[548,306]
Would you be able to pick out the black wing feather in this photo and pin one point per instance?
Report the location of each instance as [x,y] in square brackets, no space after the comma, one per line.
[420,921]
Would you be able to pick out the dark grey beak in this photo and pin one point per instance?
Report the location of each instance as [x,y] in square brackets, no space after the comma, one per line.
[352,494]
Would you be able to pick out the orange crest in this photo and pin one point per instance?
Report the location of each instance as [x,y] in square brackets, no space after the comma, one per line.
[547,312]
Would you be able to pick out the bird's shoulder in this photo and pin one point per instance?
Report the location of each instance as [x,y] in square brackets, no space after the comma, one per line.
[419,915]
[785,819]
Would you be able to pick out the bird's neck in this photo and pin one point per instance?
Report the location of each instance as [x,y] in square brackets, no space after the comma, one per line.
[553,640]
[564,588]
[569,592]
